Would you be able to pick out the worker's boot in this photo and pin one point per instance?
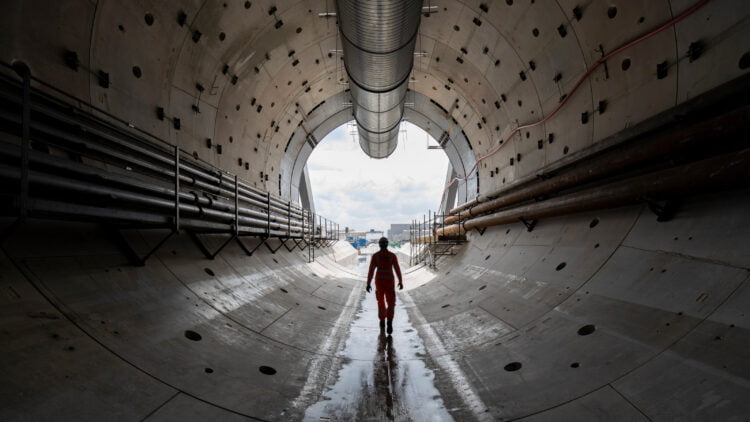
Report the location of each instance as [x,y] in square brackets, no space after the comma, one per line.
[382,325]
[390,325]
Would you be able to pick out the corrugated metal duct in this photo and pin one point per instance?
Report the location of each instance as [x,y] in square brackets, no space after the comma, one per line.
[378,37]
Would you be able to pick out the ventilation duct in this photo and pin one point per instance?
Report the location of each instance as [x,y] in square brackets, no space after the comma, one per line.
[378,38]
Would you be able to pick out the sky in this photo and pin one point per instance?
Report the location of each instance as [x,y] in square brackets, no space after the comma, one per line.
[363,193]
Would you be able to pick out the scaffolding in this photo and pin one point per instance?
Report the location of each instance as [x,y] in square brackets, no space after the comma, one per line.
[426,247]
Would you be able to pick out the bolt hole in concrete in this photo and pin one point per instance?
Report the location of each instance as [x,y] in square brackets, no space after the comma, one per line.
[560,266]
[586,330]
[284,290]
[192,335]
[483,287]
[137,71]
[612,12]
[487,257]
[513,366]
[625,64]
[574,365]
[209,271]
[594,223]
[322,308]
[209,371]
[267,370]
[149,18]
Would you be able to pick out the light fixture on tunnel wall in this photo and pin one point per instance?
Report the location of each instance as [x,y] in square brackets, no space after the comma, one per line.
[378,42]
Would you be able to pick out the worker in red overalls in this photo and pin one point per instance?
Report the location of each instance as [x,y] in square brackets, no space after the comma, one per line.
[385,291]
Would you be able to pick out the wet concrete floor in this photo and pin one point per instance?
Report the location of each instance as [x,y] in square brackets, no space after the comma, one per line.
[383,377]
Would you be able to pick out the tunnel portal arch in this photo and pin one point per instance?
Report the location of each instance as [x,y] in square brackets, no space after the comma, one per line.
[422,111]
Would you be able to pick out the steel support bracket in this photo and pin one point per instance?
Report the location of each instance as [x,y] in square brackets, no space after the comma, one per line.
[249,252]
[210,255]
[529,224]
[301,241]
[481,230]
[273,251]
[664,212]
[287,246]
[133,256]
[296,244]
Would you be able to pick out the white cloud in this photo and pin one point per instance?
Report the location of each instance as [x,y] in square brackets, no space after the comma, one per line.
[363,193]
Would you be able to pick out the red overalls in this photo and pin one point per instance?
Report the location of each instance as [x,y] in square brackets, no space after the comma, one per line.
[385,290]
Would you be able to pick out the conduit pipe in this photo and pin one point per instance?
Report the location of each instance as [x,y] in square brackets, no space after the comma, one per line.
[721,172]
[618,160]
[74,187]
[378,39]
[151,156]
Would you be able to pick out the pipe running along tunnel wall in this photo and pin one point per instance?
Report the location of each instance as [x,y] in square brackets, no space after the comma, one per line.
[597,314]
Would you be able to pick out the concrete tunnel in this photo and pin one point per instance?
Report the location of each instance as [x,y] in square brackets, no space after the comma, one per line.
[602,193]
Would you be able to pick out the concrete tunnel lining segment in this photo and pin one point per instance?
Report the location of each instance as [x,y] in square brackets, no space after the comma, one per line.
[84,336]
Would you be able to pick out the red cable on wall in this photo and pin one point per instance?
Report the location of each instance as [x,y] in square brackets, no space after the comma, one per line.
[580,81]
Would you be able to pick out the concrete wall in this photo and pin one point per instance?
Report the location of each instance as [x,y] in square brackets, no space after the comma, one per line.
[667,303]
[471,67]
[85,336]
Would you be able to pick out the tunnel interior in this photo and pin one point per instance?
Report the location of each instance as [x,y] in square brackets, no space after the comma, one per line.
[571,304]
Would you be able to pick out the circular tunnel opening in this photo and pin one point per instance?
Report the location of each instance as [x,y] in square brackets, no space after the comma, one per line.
[371,198]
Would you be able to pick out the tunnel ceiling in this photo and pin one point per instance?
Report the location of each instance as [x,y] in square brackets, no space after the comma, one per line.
[249,74]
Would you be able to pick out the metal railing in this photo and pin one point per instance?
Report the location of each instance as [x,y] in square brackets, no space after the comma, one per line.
[425,245]
[63,158]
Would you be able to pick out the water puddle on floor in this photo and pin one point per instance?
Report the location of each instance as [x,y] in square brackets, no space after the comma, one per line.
[381,378]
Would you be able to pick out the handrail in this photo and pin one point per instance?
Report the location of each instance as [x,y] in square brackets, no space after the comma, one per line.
[142,180]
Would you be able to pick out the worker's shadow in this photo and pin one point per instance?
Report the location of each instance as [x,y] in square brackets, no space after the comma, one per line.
[385,368]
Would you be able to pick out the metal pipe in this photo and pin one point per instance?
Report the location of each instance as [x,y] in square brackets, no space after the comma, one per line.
[619,159]
[378,39]
[84,171]
[76,211]
[719,172]
[108,144]
[212,183]
[211,186]
[62,183]
[735,91]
